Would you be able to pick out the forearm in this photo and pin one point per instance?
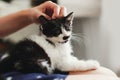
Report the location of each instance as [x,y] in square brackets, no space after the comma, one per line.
[99,74]
[14,22]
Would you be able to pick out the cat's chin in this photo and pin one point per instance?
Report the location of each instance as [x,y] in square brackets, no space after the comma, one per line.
[63,42]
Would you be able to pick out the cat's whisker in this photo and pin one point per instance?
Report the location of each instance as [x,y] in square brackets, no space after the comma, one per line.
[78,38]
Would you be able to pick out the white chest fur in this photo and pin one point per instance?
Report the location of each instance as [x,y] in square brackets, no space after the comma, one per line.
[56,53]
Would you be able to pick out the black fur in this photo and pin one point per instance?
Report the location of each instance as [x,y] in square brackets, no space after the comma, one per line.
[25,57]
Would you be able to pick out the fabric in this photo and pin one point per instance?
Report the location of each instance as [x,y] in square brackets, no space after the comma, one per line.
[33,76]
[70,76]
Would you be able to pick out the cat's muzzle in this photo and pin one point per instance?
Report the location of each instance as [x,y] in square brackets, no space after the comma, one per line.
[64,42]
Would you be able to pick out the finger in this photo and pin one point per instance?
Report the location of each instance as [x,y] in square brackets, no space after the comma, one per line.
[63,12]
[56,11]
[51,7]
[46,16]
[54,7]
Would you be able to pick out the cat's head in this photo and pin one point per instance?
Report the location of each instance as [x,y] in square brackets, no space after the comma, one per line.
[57,30]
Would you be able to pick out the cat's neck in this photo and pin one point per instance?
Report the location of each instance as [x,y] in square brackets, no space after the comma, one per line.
[43,39]
[50,42]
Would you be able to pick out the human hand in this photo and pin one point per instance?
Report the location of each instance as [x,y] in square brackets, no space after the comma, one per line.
[48,9]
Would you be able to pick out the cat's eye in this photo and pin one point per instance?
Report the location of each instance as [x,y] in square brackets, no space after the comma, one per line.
[68,23]
[67,27]
[55,31]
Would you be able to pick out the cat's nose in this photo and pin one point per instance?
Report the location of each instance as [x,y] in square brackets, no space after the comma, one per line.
[65,37]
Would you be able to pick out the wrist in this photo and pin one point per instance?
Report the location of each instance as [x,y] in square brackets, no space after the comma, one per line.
[27,14]
[32,14]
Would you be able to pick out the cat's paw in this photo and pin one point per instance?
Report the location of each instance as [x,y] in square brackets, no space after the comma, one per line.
[89,65]
[92,64]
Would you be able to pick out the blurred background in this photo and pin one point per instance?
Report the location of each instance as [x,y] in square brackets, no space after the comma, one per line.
[97,22]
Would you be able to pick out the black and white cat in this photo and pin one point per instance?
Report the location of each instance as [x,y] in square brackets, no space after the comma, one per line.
[47,52]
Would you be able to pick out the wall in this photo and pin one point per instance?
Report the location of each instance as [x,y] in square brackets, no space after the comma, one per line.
[82,8]
[6,9]
[110,31]
[103,36]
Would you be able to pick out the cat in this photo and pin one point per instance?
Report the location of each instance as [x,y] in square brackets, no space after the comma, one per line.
[47,52]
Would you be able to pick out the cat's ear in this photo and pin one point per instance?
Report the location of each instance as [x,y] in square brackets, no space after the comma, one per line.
[69,17]
[42,20]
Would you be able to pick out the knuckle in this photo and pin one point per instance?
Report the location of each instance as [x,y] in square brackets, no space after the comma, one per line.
[49,2]
[63,7]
